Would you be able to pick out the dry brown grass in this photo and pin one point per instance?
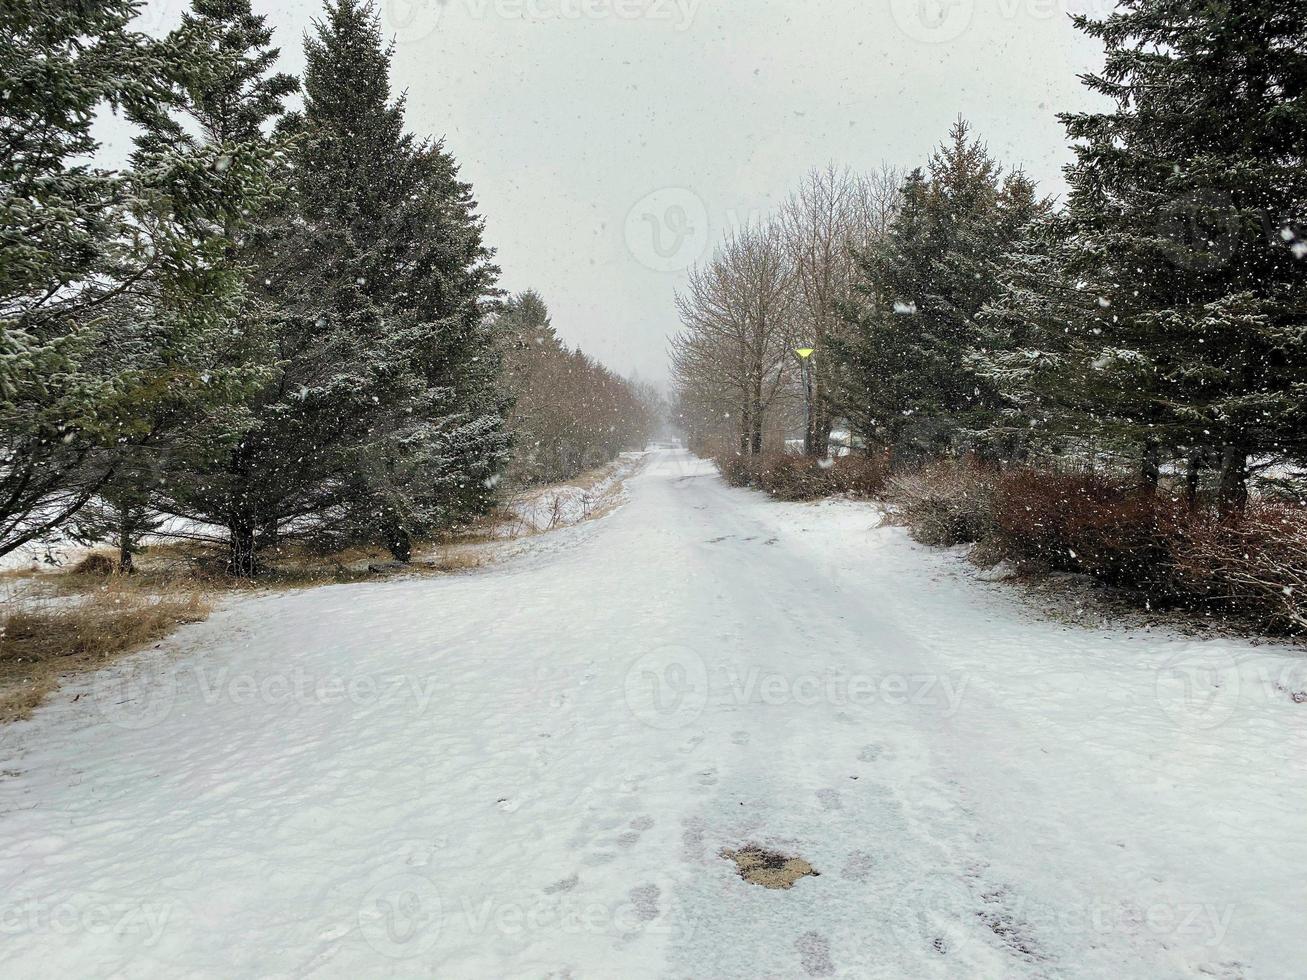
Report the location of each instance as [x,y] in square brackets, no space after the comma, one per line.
[43,641]
[759,866]
[56,624]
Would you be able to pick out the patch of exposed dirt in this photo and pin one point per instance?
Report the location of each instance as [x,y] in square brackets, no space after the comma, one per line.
[759,866]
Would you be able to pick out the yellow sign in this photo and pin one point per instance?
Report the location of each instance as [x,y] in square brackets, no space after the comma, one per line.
[805,352]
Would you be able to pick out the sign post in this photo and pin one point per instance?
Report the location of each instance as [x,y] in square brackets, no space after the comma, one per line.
[805,359]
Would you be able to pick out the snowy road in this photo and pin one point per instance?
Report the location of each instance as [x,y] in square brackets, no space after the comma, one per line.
[531,771]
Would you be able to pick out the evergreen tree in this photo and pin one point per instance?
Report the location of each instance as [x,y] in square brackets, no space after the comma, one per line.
[1031,349]
[570,413]
[113,289]
[382,416]
[908,382]
[1187,202]
[228,102]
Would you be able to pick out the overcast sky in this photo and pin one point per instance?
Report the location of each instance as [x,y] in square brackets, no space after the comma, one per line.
[611,142]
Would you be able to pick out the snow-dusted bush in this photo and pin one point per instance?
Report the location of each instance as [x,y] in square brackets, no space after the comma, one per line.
[789,477]
[1254,565]
[945,503]
[1088,523]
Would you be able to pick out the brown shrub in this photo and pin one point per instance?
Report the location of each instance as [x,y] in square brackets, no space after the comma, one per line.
[1251,566]
[1088,523]
[97,563]
[859,476]
[1254,565]
[41,641]
[944,503]
[790,477]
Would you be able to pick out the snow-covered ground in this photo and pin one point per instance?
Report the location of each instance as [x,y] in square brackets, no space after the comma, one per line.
[531,770]
[549,508]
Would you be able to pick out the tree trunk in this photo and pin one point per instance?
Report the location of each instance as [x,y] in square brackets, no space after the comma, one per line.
[126,564]
[243,560]
[821,426]
[1150,468]
[125,542]
[757,417]
[1191,479]
[242,544]
[399,543]
[821,419]
[1233,493]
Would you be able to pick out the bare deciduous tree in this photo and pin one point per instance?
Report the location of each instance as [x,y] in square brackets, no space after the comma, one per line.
[833,213]
[570,413]
[732,359]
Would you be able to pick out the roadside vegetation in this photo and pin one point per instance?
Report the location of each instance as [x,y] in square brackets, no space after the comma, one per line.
[1108,384]
[60,621]
[788,476]
[1156,548]
[268,349]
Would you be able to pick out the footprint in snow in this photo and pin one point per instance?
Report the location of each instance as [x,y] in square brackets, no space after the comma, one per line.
[563,885]
[829,799]
[870,753]
[692,840]
[814,954]
[741,738]
[708,777]
[859,866]
[642,823]
[645,902]
[417,852]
